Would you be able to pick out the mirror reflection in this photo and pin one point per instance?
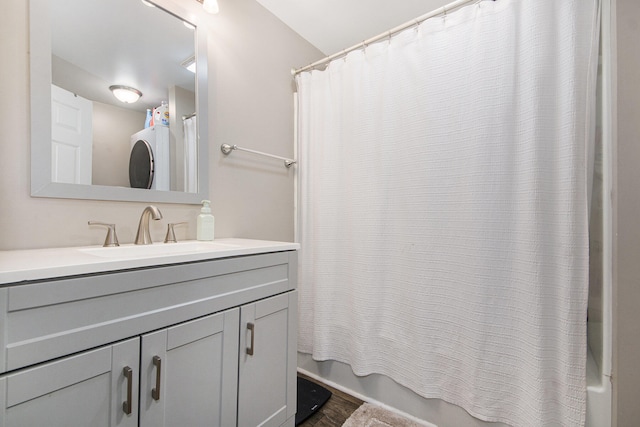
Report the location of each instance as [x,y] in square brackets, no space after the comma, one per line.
[96,44]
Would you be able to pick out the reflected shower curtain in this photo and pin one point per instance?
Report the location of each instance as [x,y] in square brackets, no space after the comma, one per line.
[443,208]
[189,126]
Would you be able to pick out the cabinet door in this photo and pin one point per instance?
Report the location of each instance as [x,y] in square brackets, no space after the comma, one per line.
[87,389]
[267,371]
[189,373]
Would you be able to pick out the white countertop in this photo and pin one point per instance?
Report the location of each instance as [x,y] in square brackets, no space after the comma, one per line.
[36,264]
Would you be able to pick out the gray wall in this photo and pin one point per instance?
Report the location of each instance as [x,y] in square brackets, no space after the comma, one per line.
[626,360]
[112,144]
[251,104]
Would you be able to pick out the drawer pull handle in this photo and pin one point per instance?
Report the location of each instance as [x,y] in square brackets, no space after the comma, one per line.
[251,328]
[157,362]
[128,374]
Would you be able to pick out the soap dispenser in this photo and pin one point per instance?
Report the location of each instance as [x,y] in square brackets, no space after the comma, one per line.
[205,222]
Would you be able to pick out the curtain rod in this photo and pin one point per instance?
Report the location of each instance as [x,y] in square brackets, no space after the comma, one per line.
[440,11]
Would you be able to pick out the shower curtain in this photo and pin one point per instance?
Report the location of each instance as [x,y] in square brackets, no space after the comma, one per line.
[443,208]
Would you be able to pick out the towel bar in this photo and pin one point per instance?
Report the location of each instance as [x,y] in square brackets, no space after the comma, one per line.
[227,149]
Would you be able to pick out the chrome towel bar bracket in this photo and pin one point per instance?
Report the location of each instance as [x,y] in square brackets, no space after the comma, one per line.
[227,149]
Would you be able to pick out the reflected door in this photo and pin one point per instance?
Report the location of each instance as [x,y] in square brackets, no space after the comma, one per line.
[71,137]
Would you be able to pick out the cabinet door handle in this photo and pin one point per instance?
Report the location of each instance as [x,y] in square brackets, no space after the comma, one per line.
[157,362]
[251,327]
[128,374]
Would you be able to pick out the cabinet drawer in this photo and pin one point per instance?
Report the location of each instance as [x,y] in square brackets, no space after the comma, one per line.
[49,319]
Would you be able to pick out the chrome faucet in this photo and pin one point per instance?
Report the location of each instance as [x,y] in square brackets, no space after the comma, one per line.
[144,237]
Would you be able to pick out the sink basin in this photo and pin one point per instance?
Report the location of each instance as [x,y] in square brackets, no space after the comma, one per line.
[157,249]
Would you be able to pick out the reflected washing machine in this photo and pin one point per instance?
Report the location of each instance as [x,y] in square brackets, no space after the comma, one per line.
[149,162]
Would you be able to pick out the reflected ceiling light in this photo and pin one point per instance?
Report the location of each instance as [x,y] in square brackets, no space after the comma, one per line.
[146,3]
[190,64]
[210,6]
[125,94]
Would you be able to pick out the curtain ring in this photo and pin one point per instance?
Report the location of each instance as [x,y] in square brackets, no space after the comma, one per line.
[363,47]
[416,27]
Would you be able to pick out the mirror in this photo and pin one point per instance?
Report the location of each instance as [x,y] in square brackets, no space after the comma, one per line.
[82,136]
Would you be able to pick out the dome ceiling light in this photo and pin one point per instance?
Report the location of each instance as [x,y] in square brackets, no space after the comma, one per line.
[125,94]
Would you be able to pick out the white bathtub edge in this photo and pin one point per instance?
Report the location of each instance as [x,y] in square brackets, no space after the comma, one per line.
[598,396]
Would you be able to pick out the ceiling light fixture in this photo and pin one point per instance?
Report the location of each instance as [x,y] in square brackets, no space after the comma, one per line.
[210,6]
[125,94]
[190,64]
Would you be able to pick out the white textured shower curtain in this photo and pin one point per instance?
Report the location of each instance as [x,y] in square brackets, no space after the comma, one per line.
[443,208]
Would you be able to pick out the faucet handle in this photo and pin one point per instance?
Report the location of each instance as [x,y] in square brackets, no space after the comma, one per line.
[112,238]
[171,235]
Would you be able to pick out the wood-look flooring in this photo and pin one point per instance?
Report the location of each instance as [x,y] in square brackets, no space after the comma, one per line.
[336,411]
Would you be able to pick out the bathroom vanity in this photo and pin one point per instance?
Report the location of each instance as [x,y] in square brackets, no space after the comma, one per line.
[192,333]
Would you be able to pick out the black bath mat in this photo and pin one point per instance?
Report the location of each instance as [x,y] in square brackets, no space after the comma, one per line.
[311,397]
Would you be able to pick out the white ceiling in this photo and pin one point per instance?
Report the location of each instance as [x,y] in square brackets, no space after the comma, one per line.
[99,43]
[334,25]
[106,58]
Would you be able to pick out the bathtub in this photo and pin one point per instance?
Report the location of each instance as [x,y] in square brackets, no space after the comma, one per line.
[433,412]
[598,381]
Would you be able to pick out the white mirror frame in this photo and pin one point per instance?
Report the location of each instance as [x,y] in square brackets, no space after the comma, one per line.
[40,74]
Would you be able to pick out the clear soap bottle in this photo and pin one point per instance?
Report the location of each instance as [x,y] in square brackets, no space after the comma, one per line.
[205,222]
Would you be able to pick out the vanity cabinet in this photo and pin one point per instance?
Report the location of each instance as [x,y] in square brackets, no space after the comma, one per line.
[208,343]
